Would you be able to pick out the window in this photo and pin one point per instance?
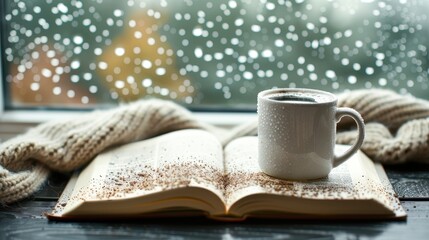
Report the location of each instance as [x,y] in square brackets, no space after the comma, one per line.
[215,54]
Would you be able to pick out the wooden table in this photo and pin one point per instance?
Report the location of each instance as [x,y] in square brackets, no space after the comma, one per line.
[25,220]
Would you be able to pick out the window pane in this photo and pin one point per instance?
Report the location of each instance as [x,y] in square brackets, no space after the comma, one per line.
[208,54]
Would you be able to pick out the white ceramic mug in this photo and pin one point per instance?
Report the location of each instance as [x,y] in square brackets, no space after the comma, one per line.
[296,133]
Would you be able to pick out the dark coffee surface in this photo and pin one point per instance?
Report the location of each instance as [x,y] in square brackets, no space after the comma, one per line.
[300,97]
[292,98]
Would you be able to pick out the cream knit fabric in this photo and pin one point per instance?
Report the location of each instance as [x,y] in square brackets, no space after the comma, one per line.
[26,160]
[397,127]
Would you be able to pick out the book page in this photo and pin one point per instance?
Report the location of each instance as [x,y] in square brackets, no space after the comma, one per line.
[186,158]
[355,179]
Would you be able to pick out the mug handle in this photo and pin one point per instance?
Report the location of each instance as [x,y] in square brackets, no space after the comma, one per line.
[345,111]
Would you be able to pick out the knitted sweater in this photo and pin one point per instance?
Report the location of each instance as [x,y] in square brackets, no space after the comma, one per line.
[397,131]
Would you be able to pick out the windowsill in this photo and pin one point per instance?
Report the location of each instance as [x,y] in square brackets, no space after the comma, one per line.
[16,122]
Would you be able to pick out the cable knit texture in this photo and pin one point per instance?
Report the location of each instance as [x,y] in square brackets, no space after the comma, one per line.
[397,127]
[397,131]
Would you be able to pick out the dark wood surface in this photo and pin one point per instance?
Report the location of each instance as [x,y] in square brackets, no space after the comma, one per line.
[25,220]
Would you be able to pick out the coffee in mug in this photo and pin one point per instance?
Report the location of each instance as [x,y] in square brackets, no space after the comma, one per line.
[296,133]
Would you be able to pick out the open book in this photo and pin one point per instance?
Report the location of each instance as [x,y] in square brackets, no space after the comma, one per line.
[188,172]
